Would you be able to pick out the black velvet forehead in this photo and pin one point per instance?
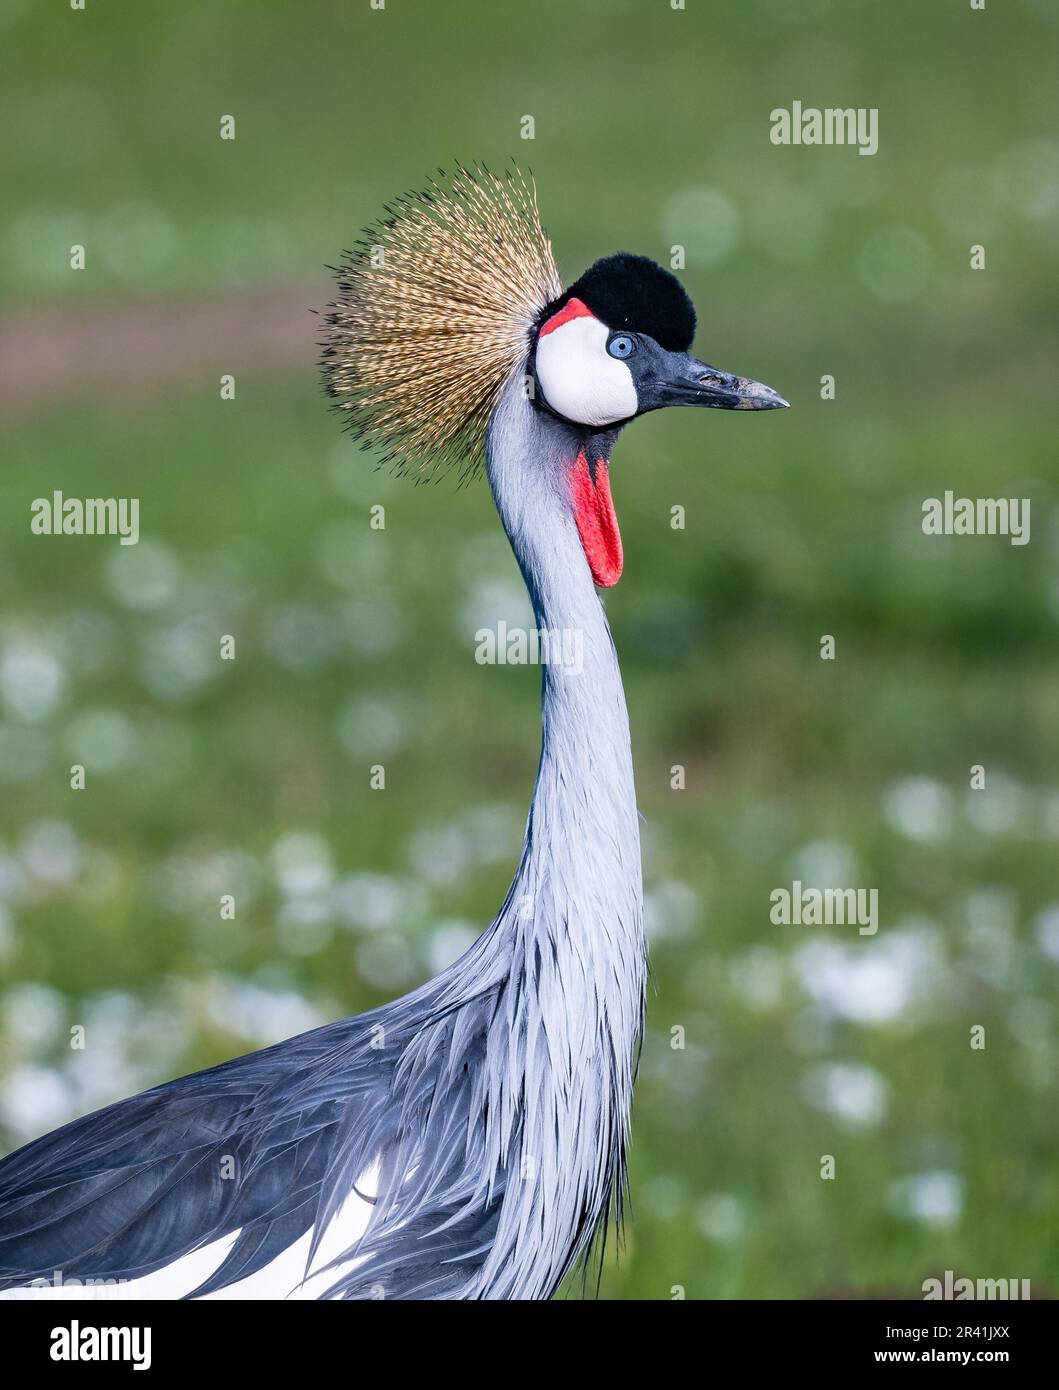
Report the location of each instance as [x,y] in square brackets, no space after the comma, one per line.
[635,292]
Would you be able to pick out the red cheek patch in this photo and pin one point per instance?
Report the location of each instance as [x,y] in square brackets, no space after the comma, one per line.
[597,522]
[572,309]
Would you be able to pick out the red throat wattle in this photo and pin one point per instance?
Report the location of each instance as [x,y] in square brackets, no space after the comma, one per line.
[597,522]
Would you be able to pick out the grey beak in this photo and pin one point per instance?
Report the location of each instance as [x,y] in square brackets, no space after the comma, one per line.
[691,382]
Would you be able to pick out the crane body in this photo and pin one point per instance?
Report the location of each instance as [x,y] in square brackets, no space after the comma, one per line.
[468,1140]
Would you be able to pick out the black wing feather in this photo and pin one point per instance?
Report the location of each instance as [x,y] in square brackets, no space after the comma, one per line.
[127,1190]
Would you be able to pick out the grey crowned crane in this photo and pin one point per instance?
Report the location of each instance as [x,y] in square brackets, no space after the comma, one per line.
[469,1139]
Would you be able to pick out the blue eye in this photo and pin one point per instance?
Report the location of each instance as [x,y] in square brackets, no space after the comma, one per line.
[621,345]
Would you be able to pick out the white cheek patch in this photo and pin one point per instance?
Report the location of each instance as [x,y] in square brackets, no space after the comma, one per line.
[580,379]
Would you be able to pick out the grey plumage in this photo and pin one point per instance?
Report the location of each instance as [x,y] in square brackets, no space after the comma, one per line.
[496,1096]
[490,1107]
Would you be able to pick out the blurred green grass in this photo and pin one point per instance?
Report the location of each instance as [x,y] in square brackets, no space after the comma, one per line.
[255,522]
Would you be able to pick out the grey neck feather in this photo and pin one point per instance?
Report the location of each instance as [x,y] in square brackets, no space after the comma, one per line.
[574,915]
[585,780]
[514,1067]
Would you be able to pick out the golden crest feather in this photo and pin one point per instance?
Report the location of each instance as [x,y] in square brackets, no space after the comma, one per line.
[435,308]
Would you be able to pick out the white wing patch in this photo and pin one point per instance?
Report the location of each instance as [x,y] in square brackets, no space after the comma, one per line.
[580,379]
[285,1277]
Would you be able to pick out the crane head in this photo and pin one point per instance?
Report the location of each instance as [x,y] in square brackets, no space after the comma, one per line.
[615,346]
[454,292]
[612,347]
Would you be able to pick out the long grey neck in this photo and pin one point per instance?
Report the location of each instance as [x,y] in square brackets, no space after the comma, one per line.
[571,929]
[584,806]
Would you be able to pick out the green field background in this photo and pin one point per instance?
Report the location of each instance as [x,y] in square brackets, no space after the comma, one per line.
[355,647]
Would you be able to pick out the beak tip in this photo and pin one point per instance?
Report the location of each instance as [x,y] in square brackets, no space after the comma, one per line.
[697,383]
[763,400]
[755,395]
